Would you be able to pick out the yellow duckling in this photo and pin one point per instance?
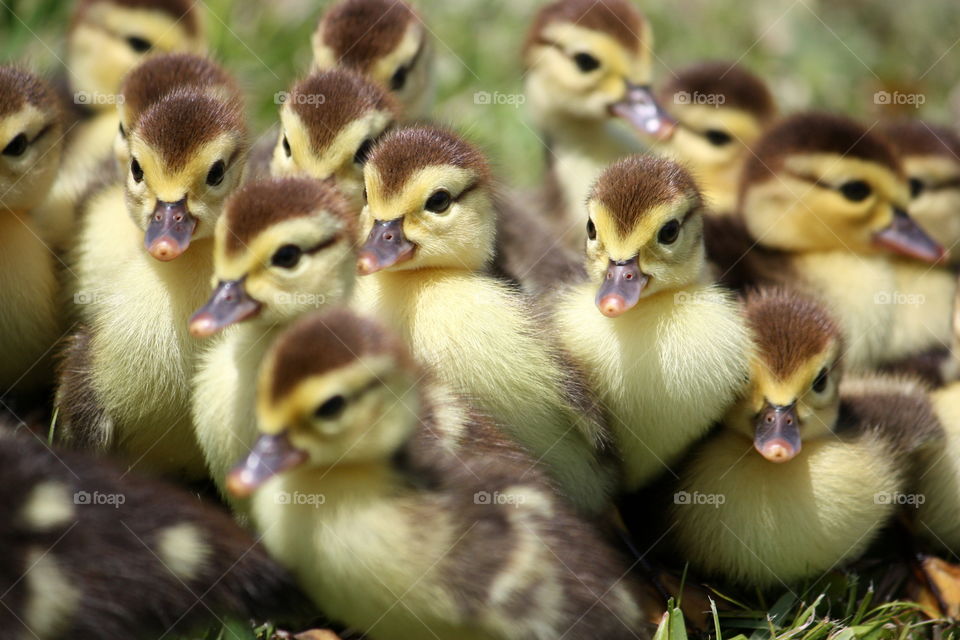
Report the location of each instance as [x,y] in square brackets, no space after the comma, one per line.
[30,141]
[108,38]
[587,63]
[282,247]
[665,349]
[383,39]
[805,469]
[823,205]
[143,269]
[937,484]
[429,225]
[721,109]
[403,518]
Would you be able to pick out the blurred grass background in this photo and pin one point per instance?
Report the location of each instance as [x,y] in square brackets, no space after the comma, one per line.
[815,53]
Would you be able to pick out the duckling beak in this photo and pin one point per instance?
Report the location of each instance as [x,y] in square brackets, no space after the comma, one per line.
[621,289]
[906,237]
[270,456]
[777,432]
[170,230]
[385,247]
[230,303]
[642,110]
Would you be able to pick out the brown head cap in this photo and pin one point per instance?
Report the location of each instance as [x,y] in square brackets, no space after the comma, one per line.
[19,88]
[917,138]
[618,18]
[182,11]
[739,88]
[360,32]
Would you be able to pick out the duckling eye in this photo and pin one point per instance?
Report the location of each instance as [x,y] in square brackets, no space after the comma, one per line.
[669,232]
[287,256]
[138,44]
[856,190]
[591,229]
[17,146]
[286,147]
[820,382]
[123,133]
[363,152]
[217,171]
[439,201]
[331,408]
[718,138]
[136,171]
[916,187]
[586,62]
[399,79]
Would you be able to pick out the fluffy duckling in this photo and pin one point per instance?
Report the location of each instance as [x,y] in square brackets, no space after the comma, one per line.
[144,264]
[470,544]
[665,349]
[30,142]
[282,247]
[721,109]
[384,40]
[90,551]
[106,39]
[823,204]
[429,224]
[587,63]
[938,476]
[804,470]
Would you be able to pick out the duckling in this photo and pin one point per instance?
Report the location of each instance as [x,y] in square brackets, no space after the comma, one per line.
[30,142]
[384,40]
[823,205]
[90,551]
[106,39]
[586,63]
[416,504]
[665,349]
[805,469]
[938,480]
[144,264]
[721,109]
[429,225]
[282,247]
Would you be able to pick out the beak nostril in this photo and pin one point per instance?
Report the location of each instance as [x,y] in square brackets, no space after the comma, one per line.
[388,236]
[629,276]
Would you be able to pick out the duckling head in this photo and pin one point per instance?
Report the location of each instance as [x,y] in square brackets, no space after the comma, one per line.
[384,40]
[428,204]
[330,123]
[818,182]
[283,247]
[108,38]
[591,60]
[336,389]
[931,159]
[795,373]
[30,133]
[187,154]
[159,75]
[644,233]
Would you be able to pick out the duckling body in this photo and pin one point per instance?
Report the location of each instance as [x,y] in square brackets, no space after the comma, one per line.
[939,475]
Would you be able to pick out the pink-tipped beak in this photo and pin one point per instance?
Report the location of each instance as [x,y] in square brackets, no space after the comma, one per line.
[385,246]
[170,230]
[644,113]
[621,287]
[777,433]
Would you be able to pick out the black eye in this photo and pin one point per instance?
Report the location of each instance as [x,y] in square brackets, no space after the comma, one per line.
[586,62]
[591,229]
[669,232]
[856,190]
[286,147]
[399,79]
[331,408]
[287,256]
[17,146]
[718,138]
[136,171]
[215,175]
[439,201]
[138,44]
[916,187]
[123,134]
[820,383]
[363,152]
